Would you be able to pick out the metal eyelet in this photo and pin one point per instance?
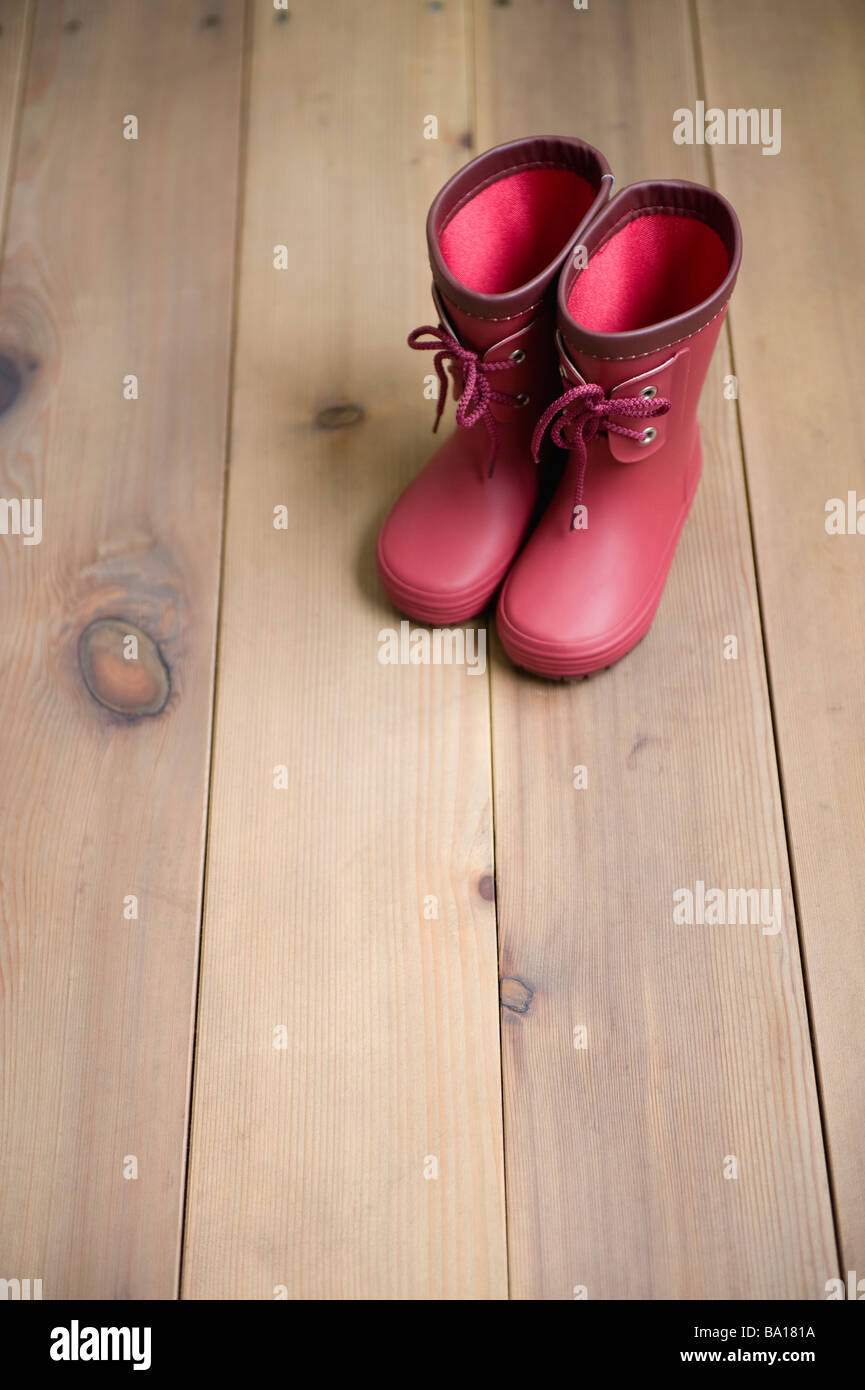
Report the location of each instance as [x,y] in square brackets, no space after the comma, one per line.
[648,435]
[522,399]
[517,355]
[562,373]
[649,392]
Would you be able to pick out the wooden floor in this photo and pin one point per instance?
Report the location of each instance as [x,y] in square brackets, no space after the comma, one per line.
[258,891]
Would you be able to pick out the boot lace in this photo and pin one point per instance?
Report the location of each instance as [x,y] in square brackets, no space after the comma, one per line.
[477,395]
[583,412]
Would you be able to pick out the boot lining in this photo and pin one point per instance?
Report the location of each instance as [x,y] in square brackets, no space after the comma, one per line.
[514,228]
[656,265]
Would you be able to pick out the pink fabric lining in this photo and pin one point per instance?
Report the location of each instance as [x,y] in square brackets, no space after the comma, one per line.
[654,267]
[512,230]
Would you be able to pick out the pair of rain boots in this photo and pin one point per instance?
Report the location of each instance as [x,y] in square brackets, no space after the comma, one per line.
[566,318]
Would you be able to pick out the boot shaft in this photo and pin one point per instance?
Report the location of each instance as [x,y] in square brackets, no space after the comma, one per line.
[498,234]
[643,316]
[499,231]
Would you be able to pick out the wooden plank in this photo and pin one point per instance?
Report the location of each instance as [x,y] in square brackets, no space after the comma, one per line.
[698,1045]
[15,19]
[307,1163]
[801,307]
[119,261]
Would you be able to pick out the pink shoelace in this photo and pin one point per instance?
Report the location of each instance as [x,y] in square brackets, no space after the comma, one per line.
[477,395]
[577,427]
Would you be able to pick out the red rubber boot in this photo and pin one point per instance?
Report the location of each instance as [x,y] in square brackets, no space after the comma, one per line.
[498,234]
[637,327]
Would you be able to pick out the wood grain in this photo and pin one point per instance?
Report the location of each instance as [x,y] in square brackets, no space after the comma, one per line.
[803,419]
[15,19]
[119,262]
[344,1039]
[698,1045]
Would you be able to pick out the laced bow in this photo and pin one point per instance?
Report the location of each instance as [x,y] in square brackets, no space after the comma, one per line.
[476,397]
[582,412]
